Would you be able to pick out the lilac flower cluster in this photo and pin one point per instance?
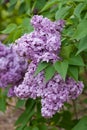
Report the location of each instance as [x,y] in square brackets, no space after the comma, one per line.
[43,44]
[12,67]
[53,94]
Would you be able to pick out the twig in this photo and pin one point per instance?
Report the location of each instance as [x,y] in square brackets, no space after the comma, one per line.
[75,109]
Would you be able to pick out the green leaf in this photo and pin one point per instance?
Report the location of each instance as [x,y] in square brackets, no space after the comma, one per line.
[38,107]
[11,27]
[20,128]
[20,103]
[3,97]
[1,1]
[28,7]
[62,12]
[43,127]
[61,67]
[28,128]
[16,34]
[12,2]
[81,30]
[66,51]
[79,0]
[2,103]
[27,114]
[73,70]
[81,125]
[49,4]
[85,100]
[82,45]
[67,124]
[85,16]
[40,4]
[35,128]
[79,8]
[26,25]
[41,66]
[49,72]
[54,128]
[76,60]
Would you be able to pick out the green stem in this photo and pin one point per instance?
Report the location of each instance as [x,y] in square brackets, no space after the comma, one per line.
[75,109]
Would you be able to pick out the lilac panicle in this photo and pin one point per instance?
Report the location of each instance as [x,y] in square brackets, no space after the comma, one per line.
[12,67]
[44,43]
[53,94]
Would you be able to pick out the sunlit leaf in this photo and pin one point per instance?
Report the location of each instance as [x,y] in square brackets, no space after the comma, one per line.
[49,72]
[82,45]
[62,67]
[13,2]
[76,60]
[81,30]
[41,66]
[49,4]
[79,8]
[62,12]
[11,27]
[73,71]
[26,25]
[66,51]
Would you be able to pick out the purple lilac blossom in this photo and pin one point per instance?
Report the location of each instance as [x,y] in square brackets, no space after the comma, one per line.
[53,94]
[44,43]
[12,67]
[31,85]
